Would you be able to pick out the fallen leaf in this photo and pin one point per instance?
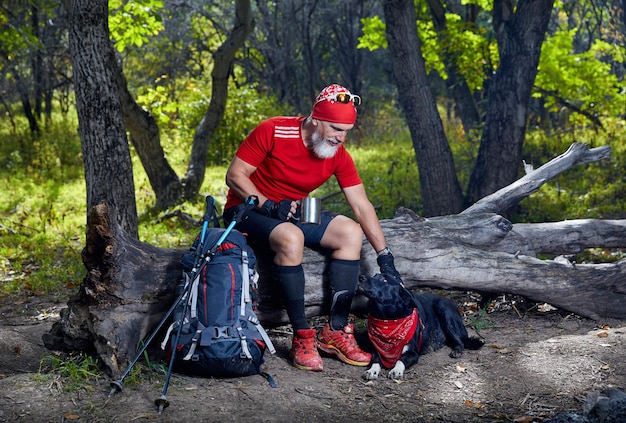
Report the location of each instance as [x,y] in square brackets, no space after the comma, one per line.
[470,403]
[496,346]
[460,368]
[70,416]
[602,335]
[525,419]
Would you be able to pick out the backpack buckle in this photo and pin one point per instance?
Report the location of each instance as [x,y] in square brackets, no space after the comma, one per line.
[222,332]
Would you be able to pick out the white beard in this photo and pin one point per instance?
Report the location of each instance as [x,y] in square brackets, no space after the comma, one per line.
[324,147]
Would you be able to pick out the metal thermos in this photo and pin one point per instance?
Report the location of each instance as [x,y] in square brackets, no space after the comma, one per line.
[311,211]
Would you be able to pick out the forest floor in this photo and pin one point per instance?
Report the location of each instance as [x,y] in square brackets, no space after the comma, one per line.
[536,362]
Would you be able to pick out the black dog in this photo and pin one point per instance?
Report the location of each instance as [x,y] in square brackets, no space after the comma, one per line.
[403,326]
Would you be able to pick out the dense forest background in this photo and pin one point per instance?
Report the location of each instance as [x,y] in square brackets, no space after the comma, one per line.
[456,94]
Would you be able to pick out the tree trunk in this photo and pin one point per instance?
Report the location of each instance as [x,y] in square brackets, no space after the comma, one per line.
[168,188]
[26,106]
[440,188]
[146,138]
[129,284]
[457,86]
[222,68]
[106,155]
[520,35]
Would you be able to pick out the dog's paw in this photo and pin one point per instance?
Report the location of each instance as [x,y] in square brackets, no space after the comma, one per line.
[372,373]
[456,352]
[397,372]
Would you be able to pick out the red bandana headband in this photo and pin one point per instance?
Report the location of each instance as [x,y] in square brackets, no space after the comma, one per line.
[327,109]
[390,336]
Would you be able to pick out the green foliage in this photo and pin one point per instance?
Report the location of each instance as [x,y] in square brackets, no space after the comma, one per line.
[582,80]
[486,5]
[244,110]
[41,212]
[389,173]
[481,321]
[133,22]
[14,40]
[180,117]
[464,44]
[373,36]
[595,190]
[468,46]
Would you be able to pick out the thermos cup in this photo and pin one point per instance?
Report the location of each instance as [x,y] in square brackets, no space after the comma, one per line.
[311,211]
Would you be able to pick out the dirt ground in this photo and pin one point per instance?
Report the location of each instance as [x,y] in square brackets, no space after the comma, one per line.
[536,362]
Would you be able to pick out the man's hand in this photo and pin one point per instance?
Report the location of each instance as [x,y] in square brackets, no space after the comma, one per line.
[283,210]
[388,268]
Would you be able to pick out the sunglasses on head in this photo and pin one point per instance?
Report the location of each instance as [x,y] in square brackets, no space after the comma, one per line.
[343,98]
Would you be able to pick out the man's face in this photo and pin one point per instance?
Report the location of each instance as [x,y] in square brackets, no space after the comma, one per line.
[328,137]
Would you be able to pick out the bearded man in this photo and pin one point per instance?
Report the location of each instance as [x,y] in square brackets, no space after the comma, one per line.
[282,161]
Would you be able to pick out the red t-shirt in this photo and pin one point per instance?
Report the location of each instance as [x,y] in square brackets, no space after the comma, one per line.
[286,169]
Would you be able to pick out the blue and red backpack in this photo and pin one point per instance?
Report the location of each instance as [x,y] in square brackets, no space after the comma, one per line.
[220,335]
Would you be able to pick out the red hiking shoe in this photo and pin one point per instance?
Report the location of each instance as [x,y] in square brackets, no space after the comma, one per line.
[304,351]
[342,344]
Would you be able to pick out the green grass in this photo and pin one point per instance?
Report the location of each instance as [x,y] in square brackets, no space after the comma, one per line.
[72,372]
[481,321]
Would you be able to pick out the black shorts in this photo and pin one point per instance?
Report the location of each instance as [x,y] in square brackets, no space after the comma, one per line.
[258,227]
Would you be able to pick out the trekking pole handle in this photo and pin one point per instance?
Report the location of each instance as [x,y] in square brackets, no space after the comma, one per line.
[250,203]
[209,210]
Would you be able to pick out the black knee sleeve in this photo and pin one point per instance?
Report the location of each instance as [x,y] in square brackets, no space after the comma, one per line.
[290,279]
[344,277]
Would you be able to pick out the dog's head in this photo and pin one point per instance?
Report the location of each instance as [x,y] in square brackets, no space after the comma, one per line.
[387,298]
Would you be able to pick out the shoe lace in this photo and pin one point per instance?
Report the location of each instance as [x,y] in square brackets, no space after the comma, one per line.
[306,345]
[343,339]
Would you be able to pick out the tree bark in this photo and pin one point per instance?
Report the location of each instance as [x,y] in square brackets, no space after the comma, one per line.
[129,284]
[440,188]
[520,34]
[106,155]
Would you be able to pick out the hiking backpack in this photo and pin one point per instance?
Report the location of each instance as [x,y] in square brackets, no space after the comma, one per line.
[220,333]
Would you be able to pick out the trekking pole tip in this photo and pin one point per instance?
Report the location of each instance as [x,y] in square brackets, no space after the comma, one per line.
[115,388]
[162,403]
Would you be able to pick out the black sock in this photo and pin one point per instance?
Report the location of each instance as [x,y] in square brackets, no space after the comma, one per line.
[344,276]
[291,282]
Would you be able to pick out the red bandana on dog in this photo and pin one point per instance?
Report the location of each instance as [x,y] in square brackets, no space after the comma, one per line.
[390,336]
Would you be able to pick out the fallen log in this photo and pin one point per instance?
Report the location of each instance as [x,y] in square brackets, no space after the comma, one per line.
[130,284]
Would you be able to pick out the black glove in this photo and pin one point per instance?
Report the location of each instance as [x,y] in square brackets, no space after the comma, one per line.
[279,210]
[388,268]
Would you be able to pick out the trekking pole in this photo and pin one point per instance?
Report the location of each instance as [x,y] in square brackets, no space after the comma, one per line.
[250,203]
[116,386]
